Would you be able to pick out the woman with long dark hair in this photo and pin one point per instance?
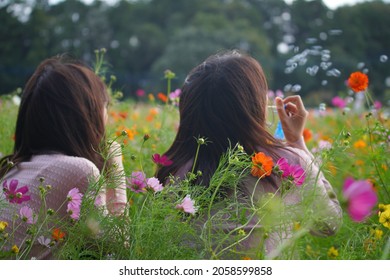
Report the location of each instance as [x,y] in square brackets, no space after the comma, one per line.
[60,130]
[224,100]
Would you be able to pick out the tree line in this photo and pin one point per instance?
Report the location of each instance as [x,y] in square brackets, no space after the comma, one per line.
[304,47]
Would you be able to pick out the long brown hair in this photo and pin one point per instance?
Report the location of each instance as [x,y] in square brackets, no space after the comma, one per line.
[224,99]
[61,111]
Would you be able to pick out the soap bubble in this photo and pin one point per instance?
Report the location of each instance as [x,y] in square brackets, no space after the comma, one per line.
[383,58]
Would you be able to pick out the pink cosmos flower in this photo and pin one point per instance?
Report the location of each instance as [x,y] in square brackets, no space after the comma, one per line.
[361,198]
[44,241]
[137,182]
[283,165]
[13,194]
[74,211]
[339,102]
[187,205]
[27,215]
[140,92]
[175,94]
[98,201]
[154,184]
[161,160]
[377,105]
[74,197]
[295,173]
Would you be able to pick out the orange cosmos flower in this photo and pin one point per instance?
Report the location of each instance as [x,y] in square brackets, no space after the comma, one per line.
[57,234]
[262,165]
[358,81]
[162,97]
[360,144]
[307,135]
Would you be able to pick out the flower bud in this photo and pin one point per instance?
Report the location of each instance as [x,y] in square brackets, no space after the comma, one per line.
[50,211]
[146,137]
[201,141]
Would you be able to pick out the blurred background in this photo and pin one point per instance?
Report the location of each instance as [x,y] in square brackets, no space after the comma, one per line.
[305,47]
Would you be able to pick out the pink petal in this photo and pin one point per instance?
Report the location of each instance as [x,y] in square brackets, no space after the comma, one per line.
[347,184]
[361,206]
[12,185]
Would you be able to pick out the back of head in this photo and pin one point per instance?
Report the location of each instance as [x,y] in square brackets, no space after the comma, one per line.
[61,111]
[224,99]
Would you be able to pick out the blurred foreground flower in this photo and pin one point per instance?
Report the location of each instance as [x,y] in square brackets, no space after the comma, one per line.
[13,194]
[358,81]
[361,198]
[333,252]
[339,102]
[3,226]
[187,205]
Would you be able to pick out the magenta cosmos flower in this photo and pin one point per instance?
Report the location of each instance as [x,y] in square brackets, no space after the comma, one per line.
[339,102]
[187,205]
[294,173]
[162,160]
[137,182]
[361,198]
[13,194]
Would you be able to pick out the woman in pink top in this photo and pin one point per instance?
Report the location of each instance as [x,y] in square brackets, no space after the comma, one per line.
[60,129]
[224,100]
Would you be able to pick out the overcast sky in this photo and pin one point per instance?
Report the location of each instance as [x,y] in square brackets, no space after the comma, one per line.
[332,4]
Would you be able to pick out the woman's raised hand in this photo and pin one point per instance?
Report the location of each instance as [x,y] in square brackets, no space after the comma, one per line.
[292,115]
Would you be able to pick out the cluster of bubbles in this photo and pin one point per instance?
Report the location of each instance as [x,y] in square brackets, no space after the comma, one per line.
[316,50]
[300,59]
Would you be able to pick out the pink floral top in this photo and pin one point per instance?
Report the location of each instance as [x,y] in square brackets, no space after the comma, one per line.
[63,173]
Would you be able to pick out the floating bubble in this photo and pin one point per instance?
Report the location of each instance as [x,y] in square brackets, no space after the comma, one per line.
[387,82]
[296,88]
[323,36]
[312,71]
[333,72]
[317,47]
[325,65]
[335,32]
[361,65]
[311,40]
[287,87]
[302,61]
[289,70]
[383,58]
[324,82]
[325,57]
[349,99]
[322,107]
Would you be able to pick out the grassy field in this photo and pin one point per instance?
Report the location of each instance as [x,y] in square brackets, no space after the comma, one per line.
[346,142]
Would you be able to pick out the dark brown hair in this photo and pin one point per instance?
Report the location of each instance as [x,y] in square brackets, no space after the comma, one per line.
[61,111]
[224,99]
